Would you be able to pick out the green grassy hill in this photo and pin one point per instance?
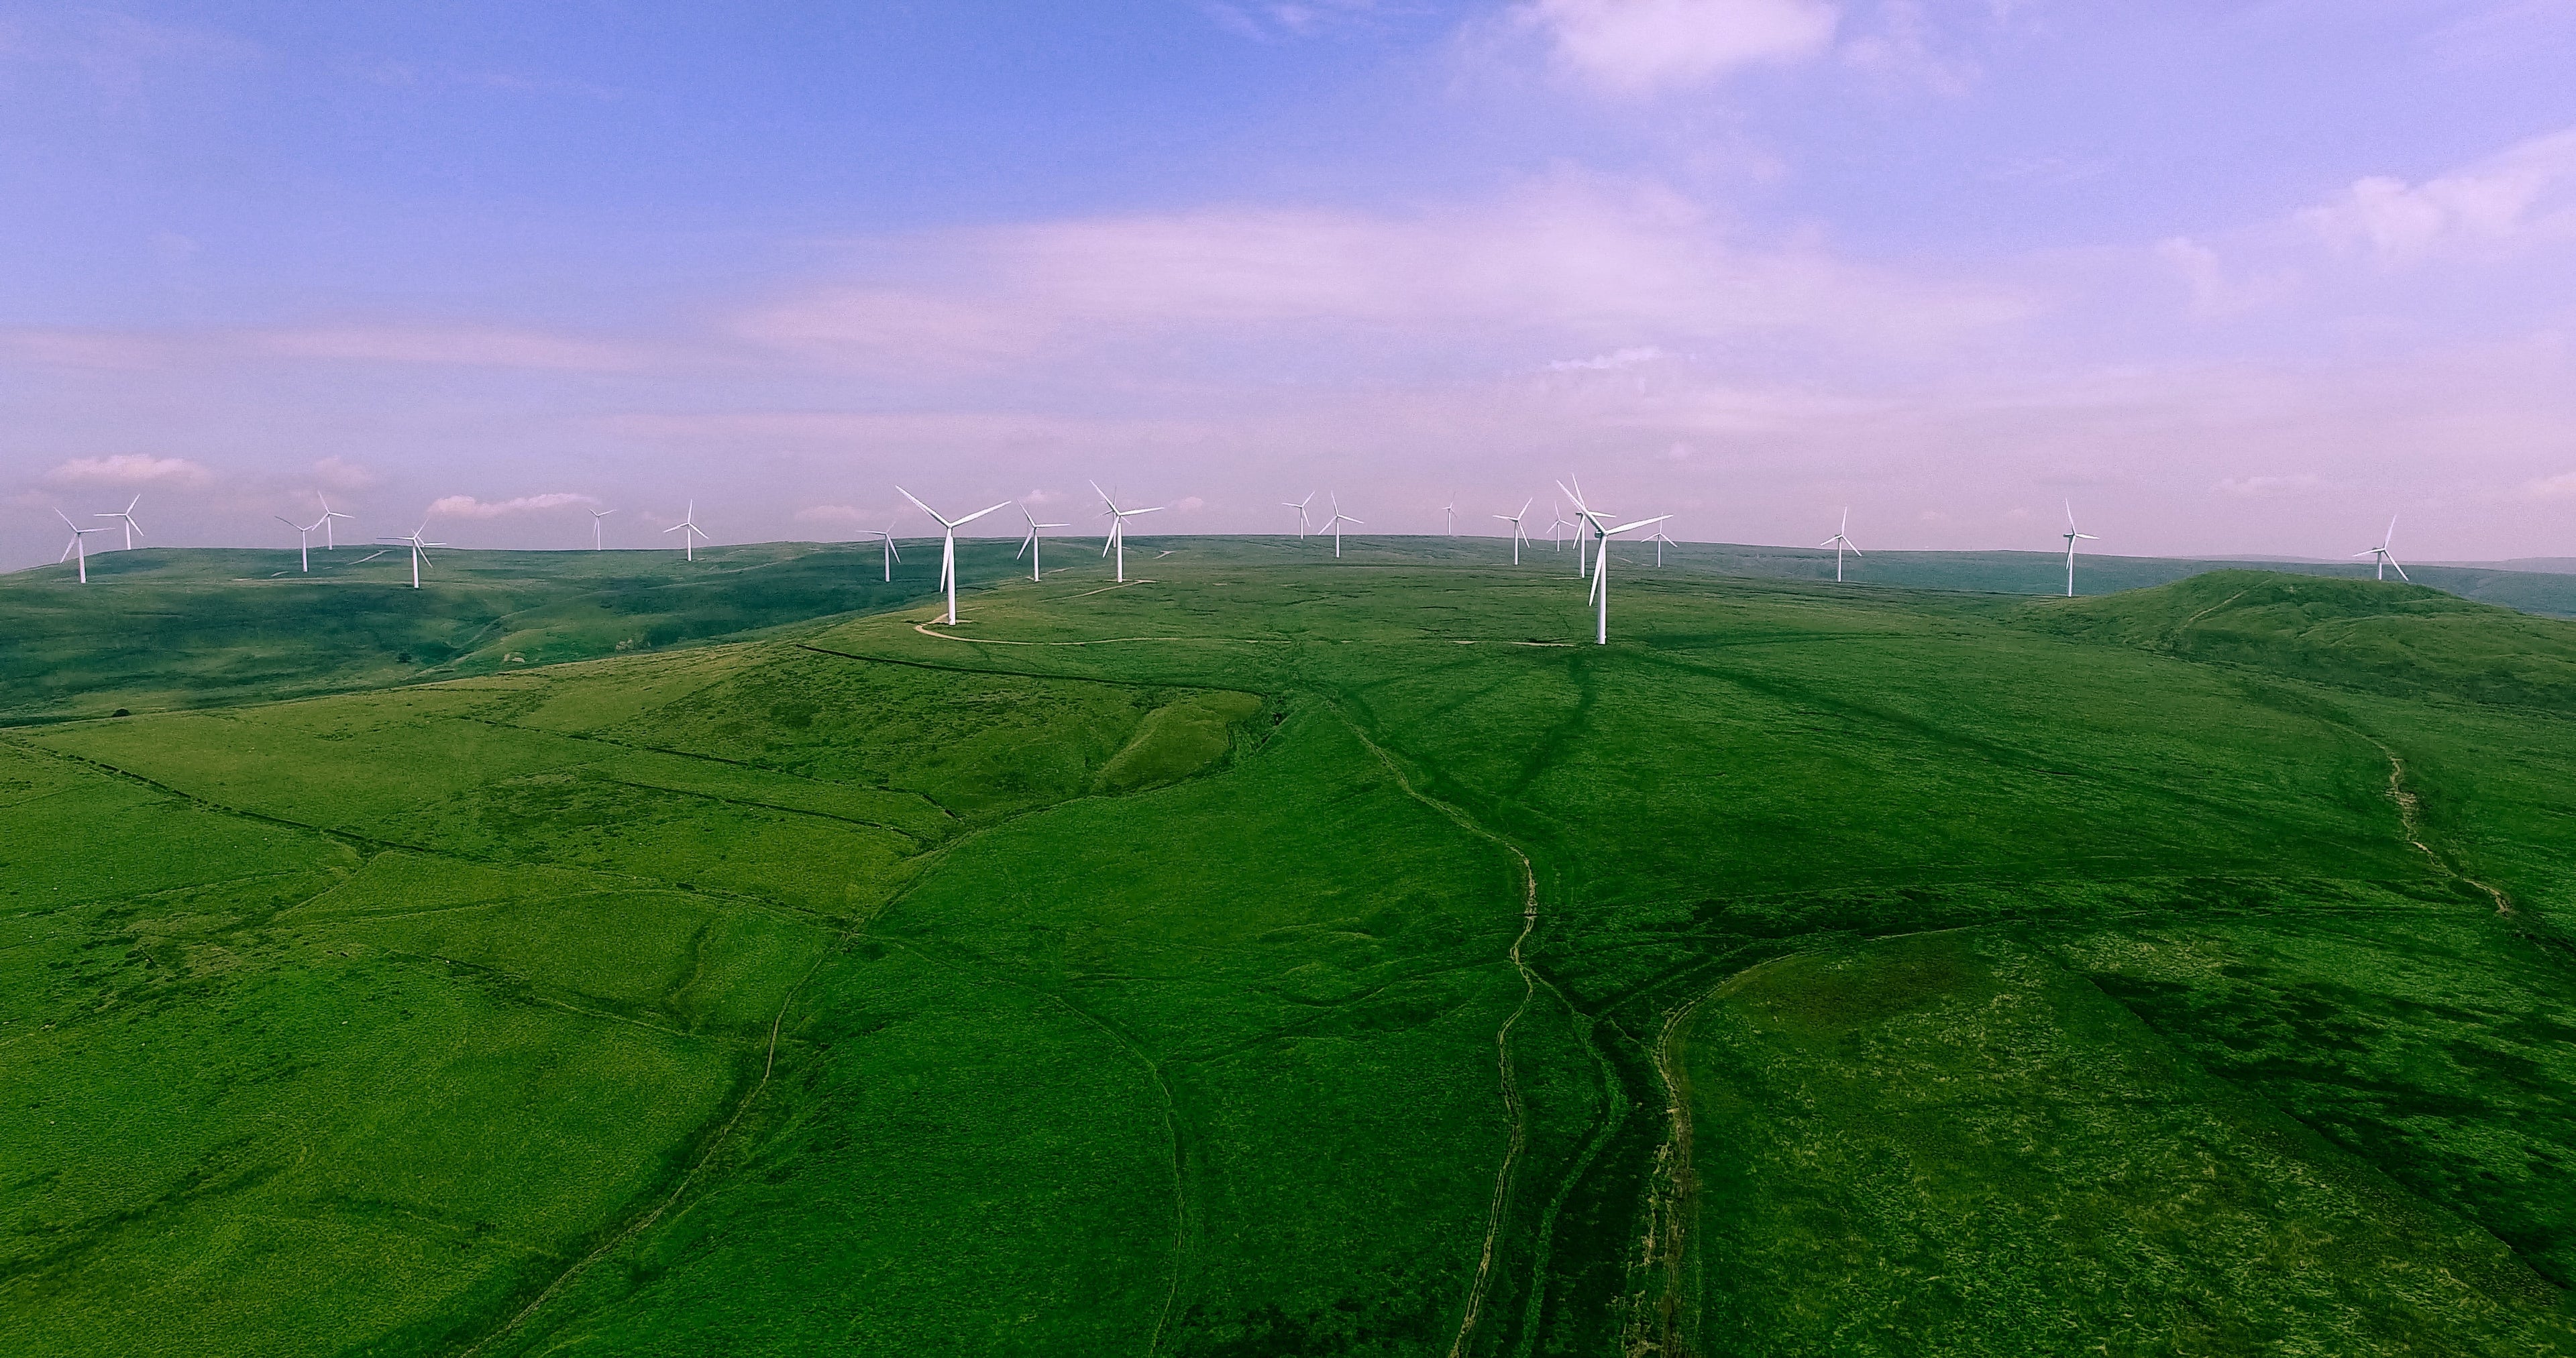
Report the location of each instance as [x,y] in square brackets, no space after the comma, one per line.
[184,627]
[1280,956]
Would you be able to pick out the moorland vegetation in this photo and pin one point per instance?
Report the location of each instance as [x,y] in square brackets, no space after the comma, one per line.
[1276,957]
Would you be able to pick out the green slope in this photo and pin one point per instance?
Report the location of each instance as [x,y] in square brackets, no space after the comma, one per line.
[1153,969]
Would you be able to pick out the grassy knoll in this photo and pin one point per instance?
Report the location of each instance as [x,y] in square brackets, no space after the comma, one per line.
[1271,956]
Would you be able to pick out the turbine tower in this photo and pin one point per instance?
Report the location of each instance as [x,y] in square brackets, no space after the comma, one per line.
[689,533]
[329,541]
[1450,510]
[76,549]
[1300,507]
[127,514]
[303,538]
[1029,544]
[2072,537]
[1118,527]
[1842,544]
[595,516]
[893,553]
[419,549]
[1601,575]
[948,546]
[1335,523]
[1515,521]
[2384,558]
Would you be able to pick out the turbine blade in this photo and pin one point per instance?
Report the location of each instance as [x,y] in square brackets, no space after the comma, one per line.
[980,513]
[917,500]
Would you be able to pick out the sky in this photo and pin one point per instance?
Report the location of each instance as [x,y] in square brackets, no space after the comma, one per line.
[2227,278]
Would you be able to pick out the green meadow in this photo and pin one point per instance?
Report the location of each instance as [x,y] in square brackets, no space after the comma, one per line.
[1280,956]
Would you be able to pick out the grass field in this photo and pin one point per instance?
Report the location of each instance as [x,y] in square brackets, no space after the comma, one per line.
[1276,956]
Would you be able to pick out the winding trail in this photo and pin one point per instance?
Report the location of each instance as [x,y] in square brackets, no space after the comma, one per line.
[2410,824]
[1512,1104]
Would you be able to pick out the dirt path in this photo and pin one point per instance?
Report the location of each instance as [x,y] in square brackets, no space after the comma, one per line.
[1512,1104]
[1655,1325]
[2410,823]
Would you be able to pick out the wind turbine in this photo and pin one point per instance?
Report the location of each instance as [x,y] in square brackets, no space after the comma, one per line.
[689,532]
[1118,527]
[595,516]
[2072,537]
[1451,510]
[893,553]
[1335,523]
[1658,538]
[419,549]
[1555,522]
[76,548]
[1300,507]
[329,541]
[1842,544]
[303,538]
[947,546]
[1583,514]
[1515,521]
[127,514]
[2382,557]
[1029,544]
[1601,574]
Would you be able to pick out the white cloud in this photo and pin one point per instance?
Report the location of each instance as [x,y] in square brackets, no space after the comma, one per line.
[2559,487]
[129,469]
[467,507]
[2526,192]
[1633,47]
[841,514]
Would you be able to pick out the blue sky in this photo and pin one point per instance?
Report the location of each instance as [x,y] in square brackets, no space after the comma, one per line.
[2230,277]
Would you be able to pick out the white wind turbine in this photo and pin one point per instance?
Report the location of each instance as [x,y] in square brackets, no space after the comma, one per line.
[131,527]
[1583,514]
[419,549]
[330,542]
[1555,522]
[1335,523]
[689,533]
[595,516]
[2072,537]
[1661,540]
[2382,557]
[1118,527]
[303,538]
[1515,521]
[1842,544]
[893,553]
[76,549]
[1601,574]
[948,546]
[1029,544]
[1300,507]
[1451,511]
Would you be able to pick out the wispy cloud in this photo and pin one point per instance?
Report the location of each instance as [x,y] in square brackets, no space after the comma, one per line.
[1636,47]
[464,346]
[129,469]
[1618,358]
[2266,487]
[467,507]
[1567,260]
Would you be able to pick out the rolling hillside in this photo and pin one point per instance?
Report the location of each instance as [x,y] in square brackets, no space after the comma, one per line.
[1276,956]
